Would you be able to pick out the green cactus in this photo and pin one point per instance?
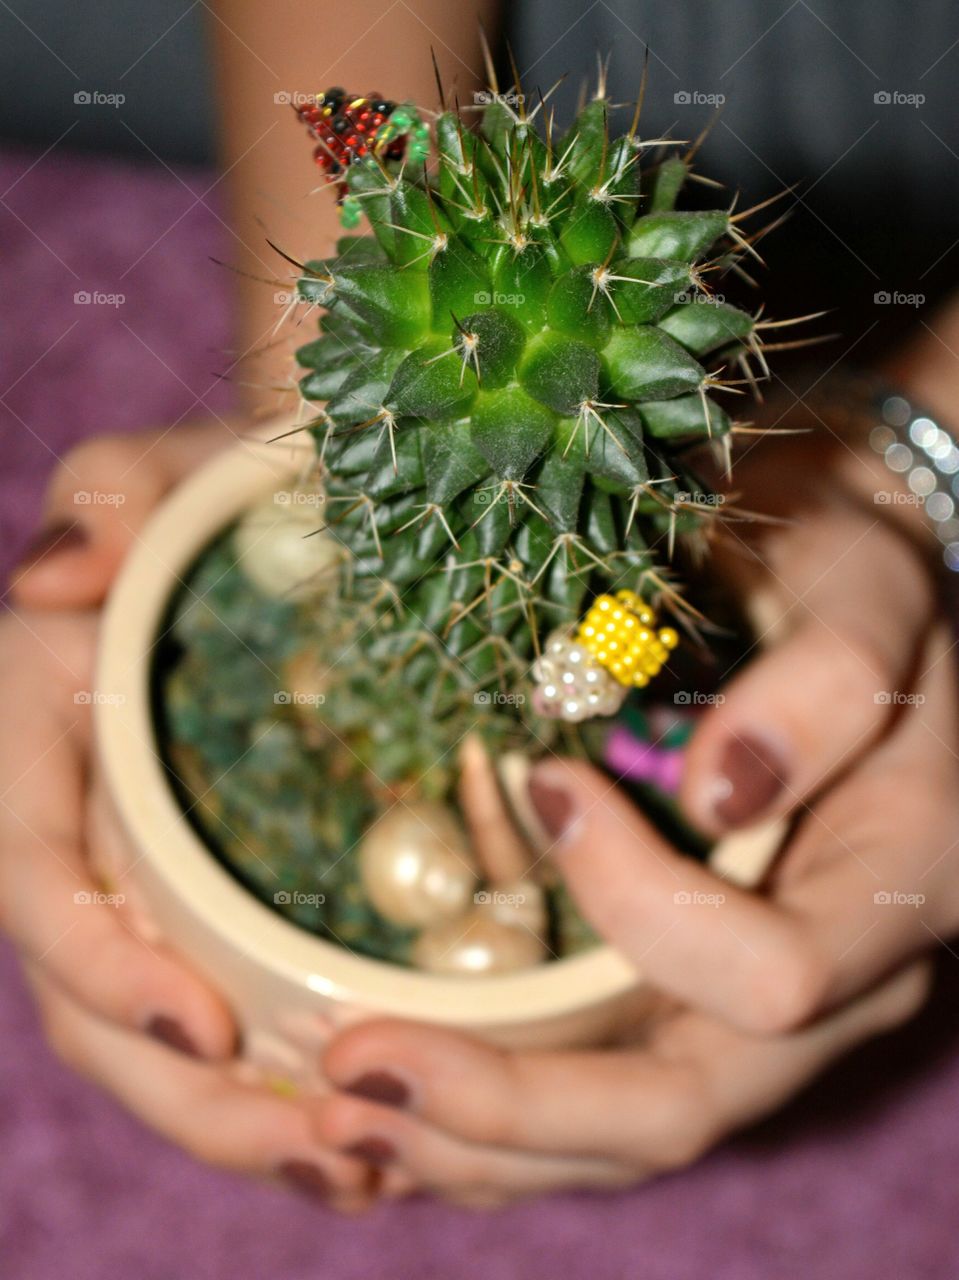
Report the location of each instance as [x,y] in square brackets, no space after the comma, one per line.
[510,376]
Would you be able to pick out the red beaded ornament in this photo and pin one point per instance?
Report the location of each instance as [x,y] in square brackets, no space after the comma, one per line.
[346,128]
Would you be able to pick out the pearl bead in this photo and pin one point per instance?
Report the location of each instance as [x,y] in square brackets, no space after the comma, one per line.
[280,550]
[476,945]
[416,865]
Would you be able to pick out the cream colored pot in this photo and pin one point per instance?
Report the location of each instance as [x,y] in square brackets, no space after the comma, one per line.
[289,989]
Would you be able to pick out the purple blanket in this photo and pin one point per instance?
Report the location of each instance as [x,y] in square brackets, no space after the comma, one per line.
[858,1180]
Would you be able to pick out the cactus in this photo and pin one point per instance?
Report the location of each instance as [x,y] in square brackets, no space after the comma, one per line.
[512,372]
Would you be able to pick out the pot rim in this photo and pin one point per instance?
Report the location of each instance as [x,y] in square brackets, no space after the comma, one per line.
[189,517]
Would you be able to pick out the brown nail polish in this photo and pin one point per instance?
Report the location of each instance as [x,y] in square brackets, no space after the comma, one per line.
[382,1087]
[751,776]
[171,1033]
[375,1151]
[309,1179]
[553,806]
[65,535]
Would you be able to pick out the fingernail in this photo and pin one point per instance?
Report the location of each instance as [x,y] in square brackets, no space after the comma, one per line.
[309,1179]
[376,1151]
[751,776]
[173,1034]
[554,806]
[382,1087]
[65,535]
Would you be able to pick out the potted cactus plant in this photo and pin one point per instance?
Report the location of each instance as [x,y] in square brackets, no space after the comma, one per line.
[465,550]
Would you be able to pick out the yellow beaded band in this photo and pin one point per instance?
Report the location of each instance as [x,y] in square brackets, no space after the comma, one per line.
[620,634]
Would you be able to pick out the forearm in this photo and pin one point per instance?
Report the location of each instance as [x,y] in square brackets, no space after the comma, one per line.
[260,52]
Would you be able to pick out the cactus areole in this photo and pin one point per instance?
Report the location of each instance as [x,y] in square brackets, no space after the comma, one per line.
[511,372]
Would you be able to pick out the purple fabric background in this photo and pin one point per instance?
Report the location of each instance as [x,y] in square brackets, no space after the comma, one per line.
[858,1180]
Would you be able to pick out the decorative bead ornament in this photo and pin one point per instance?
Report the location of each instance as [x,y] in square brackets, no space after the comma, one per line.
[416,865]
[571,685]
[620,633]
[348,127]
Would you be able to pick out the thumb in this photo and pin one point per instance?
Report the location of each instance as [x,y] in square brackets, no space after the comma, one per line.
[699,938]
[101,494]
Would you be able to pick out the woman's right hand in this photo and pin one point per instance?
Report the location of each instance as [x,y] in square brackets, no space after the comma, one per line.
[127,1013]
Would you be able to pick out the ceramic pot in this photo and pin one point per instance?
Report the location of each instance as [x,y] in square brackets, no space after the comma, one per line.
[288,988]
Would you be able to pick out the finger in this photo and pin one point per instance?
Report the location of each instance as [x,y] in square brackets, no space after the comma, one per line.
[478,1174]
[692,935]
[199,1107]
[649,1110]
[52,908]
[852,603]
[99,496]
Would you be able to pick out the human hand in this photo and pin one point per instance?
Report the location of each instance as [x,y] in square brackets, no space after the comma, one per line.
[120,1009]
[767,990]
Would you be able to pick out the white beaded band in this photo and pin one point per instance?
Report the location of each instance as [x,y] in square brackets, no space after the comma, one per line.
[914,446]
